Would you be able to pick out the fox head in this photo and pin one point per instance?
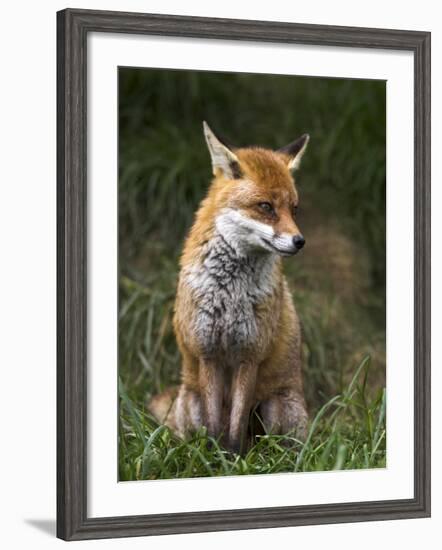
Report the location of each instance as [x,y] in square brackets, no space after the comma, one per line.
[254,196]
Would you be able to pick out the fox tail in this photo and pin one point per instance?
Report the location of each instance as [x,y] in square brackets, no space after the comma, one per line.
[161,406]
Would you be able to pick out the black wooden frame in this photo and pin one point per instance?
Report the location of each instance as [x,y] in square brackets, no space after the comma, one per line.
[73,27]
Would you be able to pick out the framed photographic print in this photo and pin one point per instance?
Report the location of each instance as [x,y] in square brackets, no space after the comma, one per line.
[243,274]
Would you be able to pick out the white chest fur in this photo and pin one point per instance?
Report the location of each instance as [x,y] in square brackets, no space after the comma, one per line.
[227,286]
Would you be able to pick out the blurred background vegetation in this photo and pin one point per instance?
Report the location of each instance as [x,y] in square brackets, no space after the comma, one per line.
[338,280]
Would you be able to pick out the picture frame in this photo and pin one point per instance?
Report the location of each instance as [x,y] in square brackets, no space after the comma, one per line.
[73,28]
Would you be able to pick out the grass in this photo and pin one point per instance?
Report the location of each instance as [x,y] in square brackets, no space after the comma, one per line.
[347,432]
[338,281]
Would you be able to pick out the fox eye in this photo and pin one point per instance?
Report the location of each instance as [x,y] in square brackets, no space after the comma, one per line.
[294,210]
[266,206]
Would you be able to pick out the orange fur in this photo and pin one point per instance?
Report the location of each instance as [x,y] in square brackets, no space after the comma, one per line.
[216,391]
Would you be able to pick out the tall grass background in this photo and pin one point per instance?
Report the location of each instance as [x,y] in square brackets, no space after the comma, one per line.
[338,281]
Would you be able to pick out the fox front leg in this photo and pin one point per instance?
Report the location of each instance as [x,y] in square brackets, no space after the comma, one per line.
[243,391]
[211,380]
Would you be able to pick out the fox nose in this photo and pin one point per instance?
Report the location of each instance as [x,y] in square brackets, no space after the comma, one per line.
[298,241]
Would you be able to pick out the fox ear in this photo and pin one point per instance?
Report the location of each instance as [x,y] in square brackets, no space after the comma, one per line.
[295,151]
[222,157]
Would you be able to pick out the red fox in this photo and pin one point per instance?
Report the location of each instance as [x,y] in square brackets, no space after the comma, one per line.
[235,322]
